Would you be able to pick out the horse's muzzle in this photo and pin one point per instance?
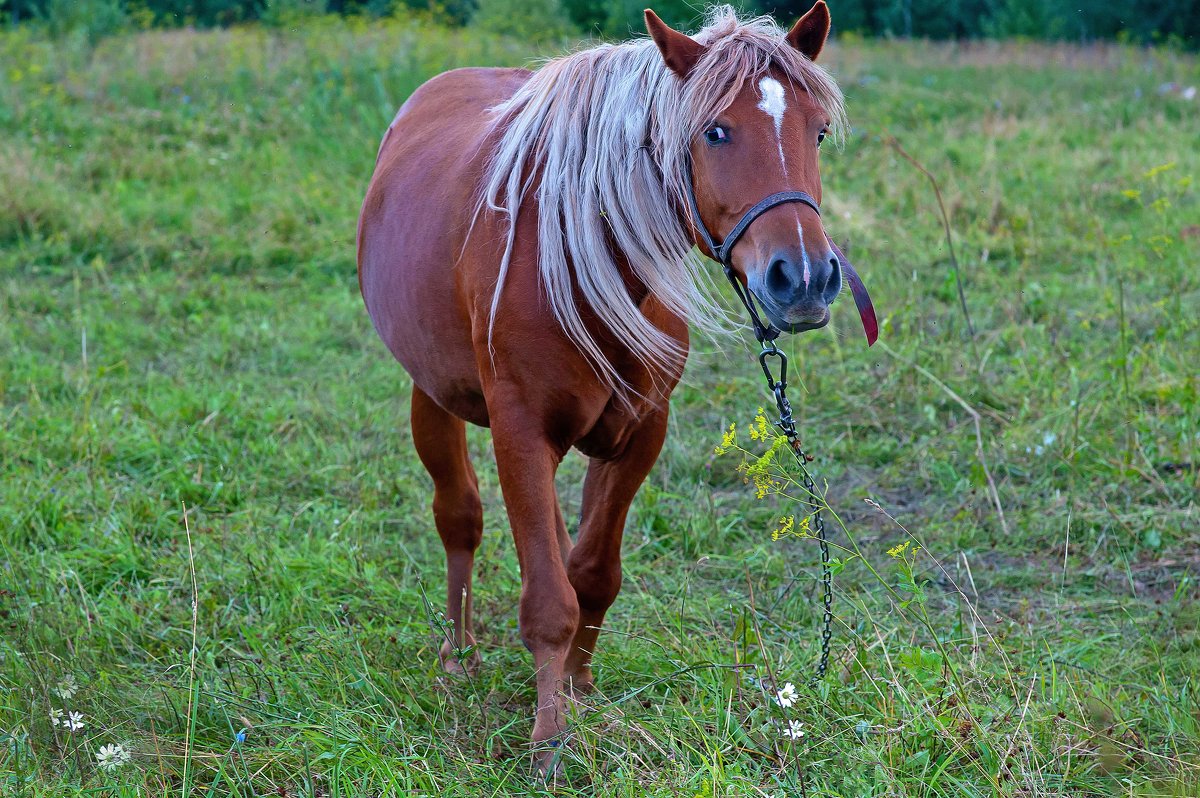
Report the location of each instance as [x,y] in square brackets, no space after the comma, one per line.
[796,292]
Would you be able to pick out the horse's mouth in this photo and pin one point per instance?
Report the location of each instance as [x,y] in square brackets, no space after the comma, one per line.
[808,316]
[813,315]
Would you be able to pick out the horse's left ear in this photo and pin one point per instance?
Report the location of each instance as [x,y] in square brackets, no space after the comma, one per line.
[810,31]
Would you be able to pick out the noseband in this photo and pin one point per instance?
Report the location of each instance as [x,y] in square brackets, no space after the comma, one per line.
[723,252]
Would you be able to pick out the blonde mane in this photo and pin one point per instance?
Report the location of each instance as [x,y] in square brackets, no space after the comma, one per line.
[606,132]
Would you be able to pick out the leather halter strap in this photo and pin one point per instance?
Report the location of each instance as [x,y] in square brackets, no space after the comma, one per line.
[723,252]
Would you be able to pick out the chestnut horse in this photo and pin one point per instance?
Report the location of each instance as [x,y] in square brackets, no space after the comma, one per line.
[524,252]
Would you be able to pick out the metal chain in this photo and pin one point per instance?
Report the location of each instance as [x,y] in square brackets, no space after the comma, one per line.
[766,335]
[787,425]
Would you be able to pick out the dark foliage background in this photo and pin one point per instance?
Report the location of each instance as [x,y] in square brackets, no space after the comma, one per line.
[1175,22]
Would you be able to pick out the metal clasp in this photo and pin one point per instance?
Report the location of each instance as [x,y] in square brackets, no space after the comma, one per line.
[778,388]
[769,350]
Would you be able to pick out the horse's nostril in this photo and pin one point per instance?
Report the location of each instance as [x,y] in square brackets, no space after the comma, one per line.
[777,280]
[834,284]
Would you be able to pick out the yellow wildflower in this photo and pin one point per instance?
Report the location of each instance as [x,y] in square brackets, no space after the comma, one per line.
[1159,243]
[727,440]
[788,526]
[896,552]
[758,472]
[1158,170]
[759,431]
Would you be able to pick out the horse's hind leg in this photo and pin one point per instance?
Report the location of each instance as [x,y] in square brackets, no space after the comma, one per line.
[441,442]
[594,565]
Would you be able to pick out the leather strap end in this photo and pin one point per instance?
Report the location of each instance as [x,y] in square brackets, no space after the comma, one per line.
[862,299]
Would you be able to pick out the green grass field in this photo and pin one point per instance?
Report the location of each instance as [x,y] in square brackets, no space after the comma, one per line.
[181,327]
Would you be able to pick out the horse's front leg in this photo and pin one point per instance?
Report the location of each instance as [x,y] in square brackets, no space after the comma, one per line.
[594,564]
[549,612]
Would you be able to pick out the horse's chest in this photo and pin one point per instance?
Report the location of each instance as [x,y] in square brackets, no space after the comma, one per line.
[620,421]
[618,425]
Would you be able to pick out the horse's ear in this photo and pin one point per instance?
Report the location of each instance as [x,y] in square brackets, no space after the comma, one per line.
[810,31]
[679,51]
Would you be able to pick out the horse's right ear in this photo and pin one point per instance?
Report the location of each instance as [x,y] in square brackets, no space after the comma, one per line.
[679,51]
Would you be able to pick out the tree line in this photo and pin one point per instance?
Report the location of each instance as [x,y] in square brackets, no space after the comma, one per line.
[1172,22]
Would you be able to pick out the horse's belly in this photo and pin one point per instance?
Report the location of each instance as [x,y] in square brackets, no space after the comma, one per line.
[410,302]
[412,228]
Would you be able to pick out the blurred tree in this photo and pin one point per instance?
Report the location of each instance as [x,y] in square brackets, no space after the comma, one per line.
[92,18]
[624,18]
[590,16]
[1136,21]
[204,12]
[530,20]
[290,12]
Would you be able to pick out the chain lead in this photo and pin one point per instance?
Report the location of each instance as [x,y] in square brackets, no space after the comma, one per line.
[787,425]
[766,335]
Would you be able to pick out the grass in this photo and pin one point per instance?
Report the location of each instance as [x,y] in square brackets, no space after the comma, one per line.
[194,408]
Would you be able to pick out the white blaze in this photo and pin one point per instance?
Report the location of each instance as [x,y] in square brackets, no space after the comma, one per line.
[774,105]
[803,254]
[772,101]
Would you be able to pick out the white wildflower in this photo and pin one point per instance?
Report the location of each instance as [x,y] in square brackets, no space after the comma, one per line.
[1048,439]
[786,697]
[794,730]
[111,757]
[56,717]
[67,688]
[74,721]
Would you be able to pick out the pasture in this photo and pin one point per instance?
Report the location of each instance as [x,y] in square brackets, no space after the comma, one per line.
[212,521]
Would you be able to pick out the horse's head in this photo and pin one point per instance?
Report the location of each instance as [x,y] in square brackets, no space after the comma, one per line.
[764,143]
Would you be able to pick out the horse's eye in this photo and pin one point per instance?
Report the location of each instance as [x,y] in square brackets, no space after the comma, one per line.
[716,135]
[820,137]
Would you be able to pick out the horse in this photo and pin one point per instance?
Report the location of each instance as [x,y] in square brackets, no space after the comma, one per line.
[525,252]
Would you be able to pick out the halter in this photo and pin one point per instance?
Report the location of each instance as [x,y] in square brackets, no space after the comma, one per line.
[723,252]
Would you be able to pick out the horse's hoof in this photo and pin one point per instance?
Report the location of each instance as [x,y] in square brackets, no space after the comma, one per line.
[455,666]
[547,759]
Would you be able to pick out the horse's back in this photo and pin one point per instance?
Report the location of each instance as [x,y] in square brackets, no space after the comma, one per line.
[452,105]
[412,228]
